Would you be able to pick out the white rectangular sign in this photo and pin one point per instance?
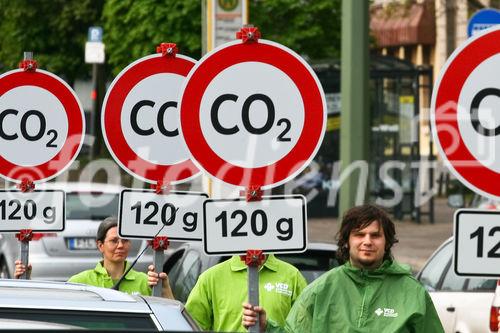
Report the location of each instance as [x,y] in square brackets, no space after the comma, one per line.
[276,224]
[94,53]
[143,213]
[39,210]
[477,243]
[228,17]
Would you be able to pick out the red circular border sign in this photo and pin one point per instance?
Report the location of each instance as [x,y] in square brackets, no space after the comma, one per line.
[76,125]
[314,108]
[111,115]
[444,118]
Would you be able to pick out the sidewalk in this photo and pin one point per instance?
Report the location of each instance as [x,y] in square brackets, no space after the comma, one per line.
[416,241]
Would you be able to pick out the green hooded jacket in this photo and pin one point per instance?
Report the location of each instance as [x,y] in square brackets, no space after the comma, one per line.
[350,300]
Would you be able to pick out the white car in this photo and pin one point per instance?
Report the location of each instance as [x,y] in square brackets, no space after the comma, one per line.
[58,256]
[463,304]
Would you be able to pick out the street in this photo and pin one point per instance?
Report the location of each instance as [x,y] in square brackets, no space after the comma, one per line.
[416,241]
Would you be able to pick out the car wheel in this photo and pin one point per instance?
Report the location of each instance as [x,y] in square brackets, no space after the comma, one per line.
[4,270]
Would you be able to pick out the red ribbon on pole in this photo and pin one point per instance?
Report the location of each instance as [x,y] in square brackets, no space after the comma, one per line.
[26,185]
[167,49]
[160,243]
[248,34]
[252,193]
[28,65]
[25,235]
[253,258]
[161,187]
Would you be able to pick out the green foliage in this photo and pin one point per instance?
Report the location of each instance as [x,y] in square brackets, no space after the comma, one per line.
[309,27]
[54,30]
[133,28]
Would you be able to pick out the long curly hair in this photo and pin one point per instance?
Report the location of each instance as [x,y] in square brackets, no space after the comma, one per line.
[358,218]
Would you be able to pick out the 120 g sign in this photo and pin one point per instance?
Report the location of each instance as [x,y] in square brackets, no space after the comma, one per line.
[273,224]
[38,210]
[258,224]
[144,213]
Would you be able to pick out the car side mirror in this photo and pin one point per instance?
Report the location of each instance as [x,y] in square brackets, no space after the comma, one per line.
[456,201]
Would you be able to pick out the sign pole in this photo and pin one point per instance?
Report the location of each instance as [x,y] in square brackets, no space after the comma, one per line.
[253,260]
[25,235]
[159,244]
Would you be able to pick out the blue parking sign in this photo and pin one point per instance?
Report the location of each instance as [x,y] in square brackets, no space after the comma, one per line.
[483,19]
[95,34]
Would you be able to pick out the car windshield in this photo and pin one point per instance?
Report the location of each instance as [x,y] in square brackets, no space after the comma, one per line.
[85,319]
[91,205]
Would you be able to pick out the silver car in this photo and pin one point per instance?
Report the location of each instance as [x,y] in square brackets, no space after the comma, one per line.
[90,307]
[58,256]
[462,303]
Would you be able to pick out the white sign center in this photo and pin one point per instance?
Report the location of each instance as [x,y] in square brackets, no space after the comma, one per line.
[150,119]
[255,122]
[34,133]
[483,147]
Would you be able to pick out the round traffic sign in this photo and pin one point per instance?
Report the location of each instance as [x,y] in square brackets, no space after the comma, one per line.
[252,114]
[42,125]
[140,120]
[464,113]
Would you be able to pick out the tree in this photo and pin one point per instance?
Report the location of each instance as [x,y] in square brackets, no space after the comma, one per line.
[133,28]
[309,27]
[54,30]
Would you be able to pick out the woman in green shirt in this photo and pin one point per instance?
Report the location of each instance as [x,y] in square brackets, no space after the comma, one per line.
[110,269]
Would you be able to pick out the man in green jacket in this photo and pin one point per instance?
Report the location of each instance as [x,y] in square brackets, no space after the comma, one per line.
[369,293]
[215,301]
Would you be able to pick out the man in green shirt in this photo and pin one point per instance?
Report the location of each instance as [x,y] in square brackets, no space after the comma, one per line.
[369,293]
[215,301]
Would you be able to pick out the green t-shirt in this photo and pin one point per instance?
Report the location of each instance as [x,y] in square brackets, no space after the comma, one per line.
[133,283]
[216,300]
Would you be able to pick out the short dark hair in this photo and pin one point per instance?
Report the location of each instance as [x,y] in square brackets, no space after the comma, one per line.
[105,225]
[358,218]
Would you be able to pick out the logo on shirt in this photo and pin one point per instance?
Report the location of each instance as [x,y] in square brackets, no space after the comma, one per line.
[279,288]
[386,312]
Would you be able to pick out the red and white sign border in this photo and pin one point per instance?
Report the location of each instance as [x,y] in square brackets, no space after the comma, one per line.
[76,126]
[452,77]
[290,63]
[113,135]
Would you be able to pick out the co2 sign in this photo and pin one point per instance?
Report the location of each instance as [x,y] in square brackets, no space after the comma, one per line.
[477,243]
[42,125]
[37,210]
[252,114]
[274,224]
[143,213]
[140,119]
[464,113]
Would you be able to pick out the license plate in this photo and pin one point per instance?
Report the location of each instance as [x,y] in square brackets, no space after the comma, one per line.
[81,243]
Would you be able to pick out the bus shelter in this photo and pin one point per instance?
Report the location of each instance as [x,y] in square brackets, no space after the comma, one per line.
[400,144]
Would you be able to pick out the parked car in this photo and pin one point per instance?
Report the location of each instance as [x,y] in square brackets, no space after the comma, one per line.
[188,261]
[463,304]
[495,310]
[58,256]
[90,307]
